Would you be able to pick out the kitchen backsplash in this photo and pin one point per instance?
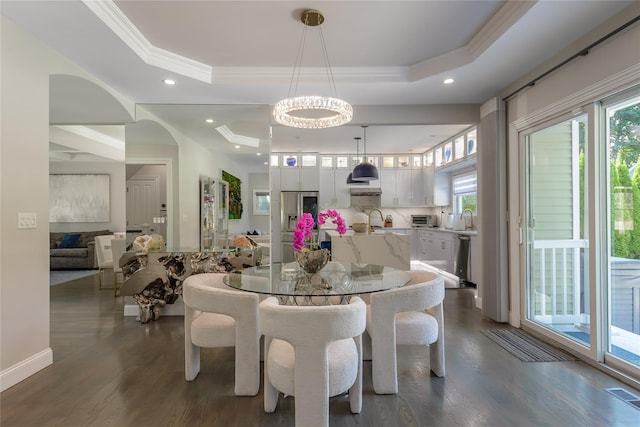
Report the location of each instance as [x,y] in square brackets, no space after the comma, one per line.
[401,216]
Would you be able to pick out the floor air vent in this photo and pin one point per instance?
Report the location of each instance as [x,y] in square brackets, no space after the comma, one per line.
[626,396]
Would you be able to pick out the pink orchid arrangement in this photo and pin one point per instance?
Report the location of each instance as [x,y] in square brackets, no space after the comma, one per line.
[304,228]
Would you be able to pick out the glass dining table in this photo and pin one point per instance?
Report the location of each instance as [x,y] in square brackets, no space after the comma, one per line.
[336,283]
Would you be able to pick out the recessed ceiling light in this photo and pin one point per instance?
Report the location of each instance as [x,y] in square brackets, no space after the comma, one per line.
[448,81]
[237,146]
[266,163]
[209,120]
[258,154]
[169,82]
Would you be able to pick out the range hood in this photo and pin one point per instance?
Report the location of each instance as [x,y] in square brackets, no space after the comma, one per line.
[366,191]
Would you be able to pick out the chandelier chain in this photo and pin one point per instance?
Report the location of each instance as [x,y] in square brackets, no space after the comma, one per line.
[327,64]
[295,76]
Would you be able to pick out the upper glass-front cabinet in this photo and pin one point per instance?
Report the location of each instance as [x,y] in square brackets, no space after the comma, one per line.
[449,152]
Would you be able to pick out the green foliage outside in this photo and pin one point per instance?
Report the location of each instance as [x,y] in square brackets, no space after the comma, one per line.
[624,145]
[468,202]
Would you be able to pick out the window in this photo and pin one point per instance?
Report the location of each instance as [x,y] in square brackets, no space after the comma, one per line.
[261,202]
[465,188]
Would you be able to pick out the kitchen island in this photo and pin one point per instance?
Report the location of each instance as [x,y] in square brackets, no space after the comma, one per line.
[382,247]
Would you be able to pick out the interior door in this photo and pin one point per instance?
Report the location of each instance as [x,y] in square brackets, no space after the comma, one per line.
[142,203]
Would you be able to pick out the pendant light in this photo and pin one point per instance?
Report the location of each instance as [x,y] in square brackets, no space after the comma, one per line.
[350,177]
[313,111]
[365,171]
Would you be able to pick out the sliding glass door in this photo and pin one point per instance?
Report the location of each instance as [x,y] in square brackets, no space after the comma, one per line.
[622,292]
[557,282]
[585,291]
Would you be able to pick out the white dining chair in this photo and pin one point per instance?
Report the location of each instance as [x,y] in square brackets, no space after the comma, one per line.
[118,247]
[410,315]
[312,353]
[218,316]
[104,257]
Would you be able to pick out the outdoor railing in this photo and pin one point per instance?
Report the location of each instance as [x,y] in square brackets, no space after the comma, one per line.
[558,279]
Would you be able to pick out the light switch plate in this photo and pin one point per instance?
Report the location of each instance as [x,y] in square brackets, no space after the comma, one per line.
[27,220]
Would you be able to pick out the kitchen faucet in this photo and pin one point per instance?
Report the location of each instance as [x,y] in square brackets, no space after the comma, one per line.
[470,226]
[369,223]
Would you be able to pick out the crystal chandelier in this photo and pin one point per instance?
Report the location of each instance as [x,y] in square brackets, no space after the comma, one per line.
[312,112]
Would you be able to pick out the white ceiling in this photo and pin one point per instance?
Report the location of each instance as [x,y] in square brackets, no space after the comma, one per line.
[242,52]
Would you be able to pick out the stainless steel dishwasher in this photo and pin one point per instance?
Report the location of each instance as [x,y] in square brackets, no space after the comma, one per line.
[462,261]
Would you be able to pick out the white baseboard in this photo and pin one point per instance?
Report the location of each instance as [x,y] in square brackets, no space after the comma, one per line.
[23,370]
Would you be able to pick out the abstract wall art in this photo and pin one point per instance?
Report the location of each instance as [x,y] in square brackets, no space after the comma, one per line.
[79,198]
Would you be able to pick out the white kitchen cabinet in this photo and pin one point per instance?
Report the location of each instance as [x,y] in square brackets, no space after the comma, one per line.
[334,191]
[304,178]
[437,249]
[326,195]
[417,187]
[415,245]
[428,183]
[401,187]
[442,188]
[388,186]
[342,189]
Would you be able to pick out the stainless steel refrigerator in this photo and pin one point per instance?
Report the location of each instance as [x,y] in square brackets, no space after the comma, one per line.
[292,205]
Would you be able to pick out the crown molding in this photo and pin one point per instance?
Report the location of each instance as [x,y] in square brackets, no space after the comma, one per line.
[112,17]
[310,74]
[504,19]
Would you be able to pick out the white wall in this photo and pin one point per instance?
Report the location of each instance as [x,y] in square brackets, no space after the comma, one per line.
[24,187]
[116,171]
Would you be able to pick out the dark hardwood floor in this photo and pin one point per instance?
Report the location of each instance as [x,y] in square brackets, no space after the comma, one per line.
[113,371]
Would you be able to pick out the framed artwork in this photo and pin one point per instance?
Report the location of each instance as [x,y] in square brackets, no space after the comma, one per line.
[79,198]
[235,195]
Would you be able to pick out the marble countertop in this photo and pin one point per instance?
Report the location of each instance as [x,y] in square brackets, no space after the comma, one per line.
[375,233]
[382,247]
[397,230]
[450,230]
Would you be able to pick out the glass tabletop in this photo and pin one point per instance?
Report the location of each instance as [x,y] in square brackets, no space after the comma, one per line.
[336,278]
